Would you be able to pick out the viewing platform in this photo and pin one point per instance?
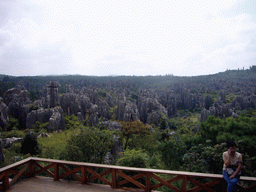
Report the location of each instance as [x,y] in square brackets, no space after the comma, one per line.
[30,175]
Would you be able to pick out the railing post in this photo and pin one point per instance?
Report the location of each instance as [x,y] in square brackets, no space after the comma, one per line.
[56,171]
[6,181]
[84,175]
[31,168]
[184,183]
[148,182]
[114,178]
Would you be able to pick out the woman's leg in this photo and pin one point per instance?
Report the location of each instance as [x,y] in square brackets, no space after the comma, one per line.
[231,182]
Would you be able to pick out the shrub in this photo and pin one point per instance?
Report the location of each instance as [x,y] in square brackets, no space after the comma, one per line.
[30,145]
[72,121]
[134,158]
[13,124]
[240,129]
[204,158]
[88,145]
[172,151]
[33,107]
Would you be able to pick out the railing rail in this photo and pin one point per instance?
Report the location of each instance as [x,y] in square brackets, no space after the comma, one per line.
[85,173]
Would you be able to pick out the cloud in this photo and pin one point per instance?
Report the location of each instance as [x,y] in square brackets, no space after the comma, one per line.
[27,48]
[6,8]
[119,65]
[125,37]
[237,52]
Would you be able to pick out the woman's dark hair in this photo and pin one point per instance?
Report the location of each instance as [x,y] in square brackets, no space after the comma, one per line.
[231,144]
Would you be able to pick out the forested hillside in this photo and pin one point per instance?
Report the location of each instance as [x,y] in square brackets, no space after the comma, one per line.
[167,122]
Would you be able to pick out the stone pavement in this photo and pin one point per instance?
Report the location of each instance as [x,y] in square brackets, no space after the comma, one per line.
[45,184]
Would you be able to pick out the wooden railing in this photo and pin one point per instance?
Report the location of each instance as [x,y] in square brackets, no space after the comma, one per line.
[109,174]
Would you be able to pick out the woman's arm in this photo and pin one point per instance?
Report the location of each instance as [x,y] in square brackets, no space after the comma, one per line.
[227,158]
[237,170]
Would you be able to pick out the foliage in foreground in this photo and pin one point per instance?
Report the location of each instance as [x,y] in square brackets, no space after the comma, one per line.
[88,145]
[241,129]
[30,145]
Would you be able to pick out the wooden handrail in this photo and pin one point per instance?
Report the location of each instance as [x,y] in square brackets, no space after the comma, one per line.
[82,171]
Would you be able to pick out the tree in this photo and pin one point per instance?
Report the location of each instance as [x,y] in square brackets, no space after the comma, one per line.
[88,145]
[30,144]
[241,129]
[172,151]
[131,128]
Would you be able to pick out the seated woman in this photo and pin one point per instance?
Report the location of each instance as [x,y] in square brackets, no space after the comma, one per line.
[232,166]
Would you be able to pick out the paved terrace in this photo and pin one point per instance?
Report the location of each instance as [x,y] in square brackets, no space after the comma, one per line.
[45,184]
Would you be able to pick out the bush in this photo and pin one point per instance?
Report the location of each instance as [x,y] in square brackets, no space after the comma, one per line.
[134,158]
[88,145]
[204,158]
[172,151]
[72,121]
[221,130]
[33,107]
[13,124]
[30,145]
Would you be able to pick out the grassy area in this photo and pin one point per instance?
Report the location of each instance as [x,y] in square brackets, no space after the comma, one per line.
[52,146]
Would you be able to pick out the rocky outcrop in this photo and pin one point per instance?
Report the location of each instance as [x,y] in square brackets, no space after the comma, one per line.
[120,109]
[219,109]
[13,92]
[208,101]
[103,110]
[110,100]
[73,103]
[3,115]
[18,102]
[53,115]
[56,121]
[53,94]
[171,106]
[238,103]
[8,141]
[93,118]
[151,110]
[127,110]
[222,96]
[50,95]
[131,112]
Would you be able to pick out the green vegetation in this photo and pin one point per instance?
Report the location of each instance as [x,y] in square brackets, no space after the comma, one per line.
[30,145]
[33,107]
[177,143]
[102,94]
[130,129]
[53,146]
[72,122]
[13,124]
[88,145]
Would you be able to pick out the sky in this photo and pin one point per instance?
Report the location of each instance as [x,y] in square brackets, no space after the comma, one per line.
[126,37]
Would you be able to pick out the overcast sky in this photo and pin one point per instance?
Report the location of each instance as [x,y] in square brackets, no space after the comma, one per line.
[126,37]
